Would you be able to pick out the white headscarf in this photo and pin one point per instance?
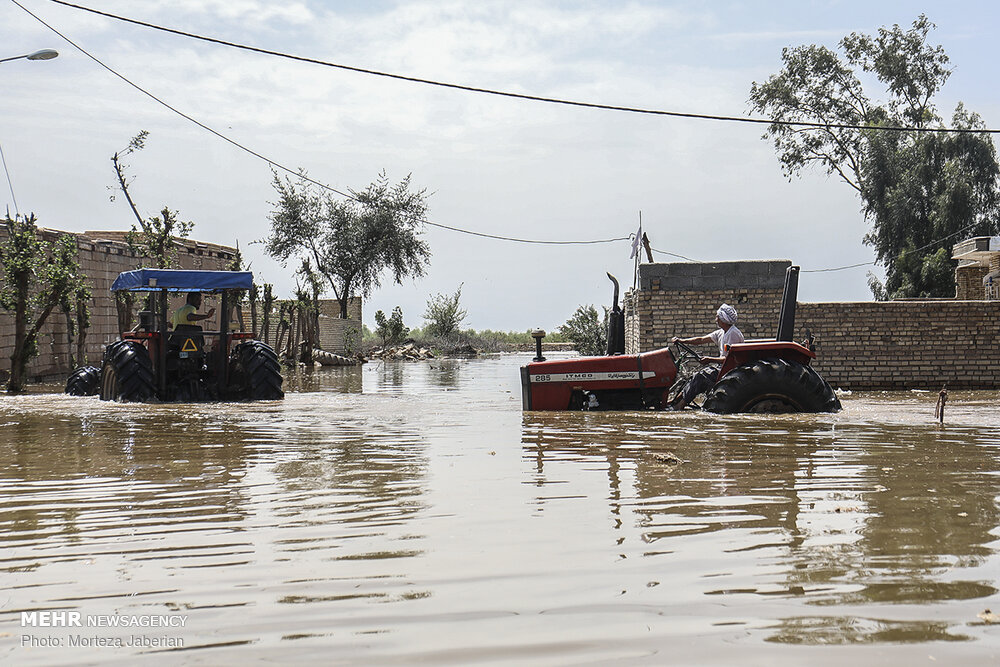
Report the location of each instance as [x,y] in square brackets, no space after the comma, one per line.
[727,314]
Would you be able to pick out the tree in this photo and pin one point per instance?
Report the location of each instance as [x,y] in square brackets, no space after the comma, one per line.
[443,314]
[351,243]
[77,311]
[29,261]
[587,331]
[391,330]
[918,189]
[154,238]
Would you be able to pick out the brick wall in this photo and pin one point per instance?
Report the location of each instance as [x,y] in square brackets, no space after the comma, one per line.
[969,282]
[103,255]
[905,344]
[682,299]
[864,345]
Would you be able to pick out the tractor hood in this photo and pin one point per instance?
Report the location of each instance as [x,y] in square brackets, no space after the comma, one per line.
[173,280]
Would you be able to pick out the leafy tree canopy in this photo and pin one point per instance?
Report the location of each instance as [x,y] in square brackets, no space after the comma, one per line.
[391,329]
[920,190]
[352,243]
[444,316]
[587,331]
[38,276]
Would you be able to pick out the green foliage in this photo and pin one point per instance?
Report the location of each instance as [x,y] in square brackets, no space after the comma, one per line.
[922,191]
[444,316]
[352,340]
[919,190]
[587,331]
[352,243]
[877,287]
[154,238]
[391,330]
[52,269]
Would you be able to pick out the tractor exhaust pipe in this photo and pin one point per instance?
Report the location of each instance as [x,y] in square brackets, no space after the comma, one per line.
[616,325]
[786,318]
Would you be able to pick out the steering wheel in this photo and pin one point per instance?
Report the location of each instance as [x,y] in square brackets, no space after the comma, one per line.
[687,350]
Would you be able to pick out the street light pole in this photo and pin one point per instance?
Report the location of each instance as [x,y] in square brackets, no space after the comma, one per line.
[44,54]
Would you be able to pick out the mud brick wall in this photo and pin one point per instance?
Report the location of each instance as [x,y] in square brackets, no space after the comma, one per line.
[969,282]
[682,299]
[905,344]
[102,256]
[917,344]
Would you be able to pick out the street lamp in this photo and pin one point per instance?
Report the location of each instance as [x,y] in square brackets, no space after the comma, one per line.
[44,54]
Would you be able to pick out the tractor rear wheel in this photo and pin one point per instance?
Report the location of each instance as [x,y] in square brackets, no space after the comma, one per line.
[255,372]
[84,381]
[127,374]
[774,386]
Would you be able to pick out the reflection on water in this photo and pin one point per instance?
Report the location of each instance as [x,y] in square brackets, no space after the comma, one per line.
[410,511]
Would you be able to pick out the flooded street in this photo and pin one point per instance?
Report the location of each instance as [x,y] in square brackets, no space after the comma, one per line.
[396,513]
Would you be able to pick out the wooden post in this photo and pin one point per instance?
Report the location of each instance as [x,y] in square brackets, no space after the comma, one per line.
[939,408]
[645,244]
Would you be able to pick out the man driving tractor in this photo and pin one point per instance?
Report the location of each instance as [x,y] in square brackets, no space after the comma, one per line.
[727,334]
[187,315]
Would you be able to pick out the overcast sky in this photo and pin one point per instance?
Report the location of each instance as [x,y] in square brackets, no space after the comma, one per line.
[707,190]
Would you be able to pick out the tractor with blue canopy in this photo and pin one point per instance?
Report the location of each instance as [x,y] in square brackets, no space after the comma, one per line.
[155,361]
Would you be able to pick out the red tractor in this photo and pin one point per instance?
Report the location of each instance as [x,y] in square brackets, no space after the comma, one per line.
[757,376]
[186,363]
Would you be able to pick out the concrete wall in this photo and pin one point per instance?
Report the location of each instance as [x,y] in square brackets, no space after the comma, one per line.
[865,345]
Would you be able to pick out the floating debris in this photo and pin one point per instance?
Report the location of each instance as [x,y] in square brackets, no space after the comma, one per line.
[408,352]
[330,359]
[988,616]
[666,457]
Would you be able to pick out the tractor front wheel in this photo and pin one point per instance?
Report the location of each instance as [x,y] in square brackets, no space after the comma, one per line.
[127,374]
[84,381]
[772,386]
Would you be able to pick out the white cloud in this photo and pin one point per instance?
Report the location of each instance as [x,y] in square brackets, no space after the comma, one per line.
[707,190]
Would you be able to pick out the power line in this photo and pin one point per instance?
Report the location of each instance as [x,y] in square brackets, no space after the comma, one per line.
[838,268]
[10,183]
[902,254]
[278,165]
[673,254]
[324,186]
[517,240]
[522,96]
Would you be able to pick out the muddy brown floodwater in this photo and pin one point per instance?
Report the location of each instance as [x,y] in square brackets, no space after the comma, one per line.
[399,513]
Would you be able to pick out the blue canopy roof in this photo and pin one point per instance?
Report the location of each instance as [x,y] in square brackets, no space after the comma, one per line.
[151,280]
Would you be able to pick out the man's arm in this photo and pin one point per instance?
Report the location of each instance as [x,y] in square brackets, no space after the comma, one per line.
[696,340]
[700,340]
[195,317]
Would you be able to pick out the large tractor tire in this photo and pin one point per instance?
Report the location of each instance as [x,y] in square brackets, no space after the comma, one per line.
[255,372]
[84,381]
[127,374]
[773,386]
